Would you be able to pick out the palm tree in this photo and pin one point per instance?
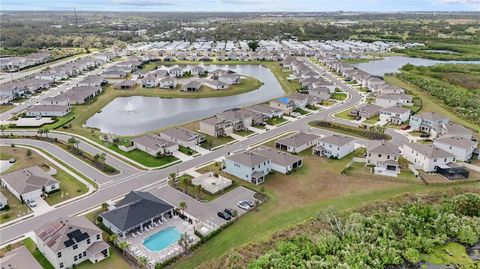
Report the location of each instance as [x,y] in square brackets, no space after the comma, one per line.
[172,178]
[184,182]
[46,131]
[183,242]
[198,189]
[40,132]
[143,261]
[73,141]
[123,245]
[104,206]
[183,205]
[3,127]
[113,238]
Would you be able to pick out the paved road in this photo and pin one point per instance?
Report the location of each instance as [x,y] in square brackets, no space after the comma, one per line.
[127,183]
[51,92]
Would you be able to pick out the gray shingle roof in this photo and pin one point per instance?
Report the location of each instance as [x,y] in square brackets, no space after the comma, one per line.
[297,140]
[383,147]
[28,179]
[136,208]
[337,140]
[459,142]
[249,159]
[430,150]
[277,156]
[19,258]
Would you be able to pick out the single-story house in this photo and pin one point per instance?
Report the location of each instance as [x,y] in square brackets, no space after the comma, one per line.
[182,136]
[168,83]
[297,142]
[366,111]
[29,183]
[154,145]
[47,111]
[136,211]
[389,100]
[126,84]
[192,86]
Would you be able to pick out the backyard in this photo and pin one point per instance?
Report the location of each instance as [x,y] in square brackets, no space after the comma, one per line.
[145,158]
[295,198]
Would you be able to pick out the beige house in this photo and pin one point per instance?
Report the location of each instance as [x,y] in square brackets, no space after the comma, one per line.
[66,242]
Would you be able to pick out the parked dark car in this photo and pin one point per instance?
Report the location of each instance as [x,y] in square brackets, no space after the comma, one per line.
[229,212]
[224,215]
[250,203]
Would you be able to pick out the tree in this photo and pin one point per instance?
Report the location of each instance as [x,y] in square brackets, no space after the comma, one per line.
[198,189]
[184,181]
[46,131]
[143,261]
[104,206]
[113,238]
[253,45]
[183,206]
[72,141]
[40,132]
[3,128]
[123,245]
[29,153]
[171,179]
[184,242]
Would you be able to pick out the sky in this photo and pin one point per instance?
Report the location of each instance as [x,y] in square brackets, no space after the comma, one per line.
[244,5]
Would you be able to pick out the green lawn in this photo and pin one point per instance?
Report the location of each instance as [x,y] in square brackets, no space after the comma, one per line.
[451,253]
[4,108]
[244,132]
[372,120]
[15,207]
[213,142]
[30,245]
[275,121]
[69,188]
[339,96]
[347,115]
[60,122]
[186,151]
[114,261]
[144,158]
[301,111]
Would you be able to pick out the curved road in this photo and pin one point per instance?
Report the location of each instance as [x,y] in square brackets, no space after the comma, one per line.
[132,178]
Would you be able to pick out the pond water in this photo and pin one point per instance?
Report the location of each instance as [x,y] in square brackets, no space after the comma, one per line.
[394,63]
[138,114]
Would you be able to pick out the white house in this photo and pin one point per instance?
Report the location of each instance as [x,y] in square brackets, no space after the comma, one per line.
[29,183]
[334,146]
[3,201]
[389,100]
[395,115]
[66,242]
[461,147]
[384,156]
[280,161]
[427,157]
[154,145]
[168,83]
[248,166]
[229,78]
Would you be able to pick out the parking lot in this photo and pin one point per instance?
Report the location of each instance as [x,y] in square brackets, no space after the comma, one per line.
[206,211]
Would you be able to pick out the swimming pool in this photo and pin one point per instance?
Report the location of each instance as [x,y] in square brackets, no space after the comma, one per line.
[162,239]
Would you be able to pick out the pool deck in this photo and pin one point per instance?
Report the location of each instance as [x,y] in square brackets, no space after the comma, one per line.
[137,249]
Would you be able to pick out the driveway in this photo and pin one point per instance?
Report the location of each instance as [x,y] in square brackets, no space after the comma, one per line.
[206,211]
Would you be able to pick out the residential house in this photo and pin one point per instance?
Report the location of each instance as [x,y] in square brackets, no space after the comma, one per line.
[176,72]
[284,104]
[280,161]
[192,86]
[216,127]
[168,83]
[215,84]
[427,121]
[383,155]
[80,95]
[240,119]
[29,183]
[323,93]
[60,100]
[229,78]
[452,130]
[249,166]
[126,84]
[366,111]
[154,145]
[460,147]
[389,100]
[92,81]
[69,241]
[136,211]
[47,111]
[182,136]
[394,115]
[197,71]
[19,258]
[334,146]
[297,142]
[427,157]
[114,74]
[150,81]
[268,112]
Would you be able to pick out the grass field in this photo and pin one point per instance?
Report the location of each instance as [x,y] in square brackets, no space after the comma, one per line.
[143,157]
[30,245]
[339,96]
[275,121]
[69,186]
[244,132]
[429,104]
[4,108]
[295,198]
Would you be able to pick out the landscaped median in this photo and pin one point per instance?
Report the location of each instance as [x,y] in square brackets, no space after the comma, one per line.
[373,132]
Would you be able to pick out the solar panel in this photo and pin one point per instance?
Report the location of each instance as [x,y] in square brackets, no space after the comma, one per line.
[69,243]
[74,234]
